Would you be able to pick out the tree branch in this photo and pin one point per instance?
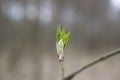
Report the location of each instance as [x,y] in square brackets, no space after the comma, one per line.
[97,60]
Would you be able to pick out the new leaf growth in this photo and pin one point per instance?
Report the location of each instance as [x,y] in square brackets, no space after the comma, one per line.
[61,41]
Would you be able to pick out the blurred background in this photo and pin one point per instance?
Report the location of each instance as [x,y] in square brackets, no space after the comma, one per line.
[27,38]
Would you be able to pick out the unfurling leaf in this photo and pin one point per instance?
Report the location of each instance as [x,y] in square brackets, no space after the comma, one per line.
[61,39]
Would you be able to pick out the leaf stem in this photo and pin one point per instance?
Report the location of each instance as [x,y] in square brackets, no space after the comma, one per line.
[62,69]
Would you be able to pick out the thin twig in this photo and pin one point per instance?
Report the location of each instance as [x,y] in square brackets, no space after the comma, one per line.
[62,69]
[97,60]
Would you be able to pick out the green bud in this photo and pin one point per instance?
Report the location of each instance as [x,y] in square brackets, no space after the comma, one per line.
[61,40]
[60,47]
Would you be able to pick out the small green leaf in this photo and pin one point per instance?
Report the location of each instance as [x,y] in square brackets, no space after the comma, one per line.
[63,32]
[66,38]
[58,33]
[61,35]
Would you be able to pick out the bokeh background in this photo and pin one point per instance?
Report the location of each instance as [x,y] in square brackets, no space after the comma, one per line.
[27,38]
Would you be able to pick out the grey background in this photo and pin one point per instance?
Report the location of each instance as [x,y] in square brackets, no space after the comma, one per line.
[27,38]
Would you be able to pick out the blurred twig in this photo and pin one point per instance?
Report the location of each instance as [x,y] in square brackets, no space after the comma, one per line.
[97,60]
[62,69]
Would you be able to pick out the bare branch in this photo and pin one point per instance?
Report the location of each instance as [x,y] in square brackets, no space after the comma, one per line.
[97,60]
